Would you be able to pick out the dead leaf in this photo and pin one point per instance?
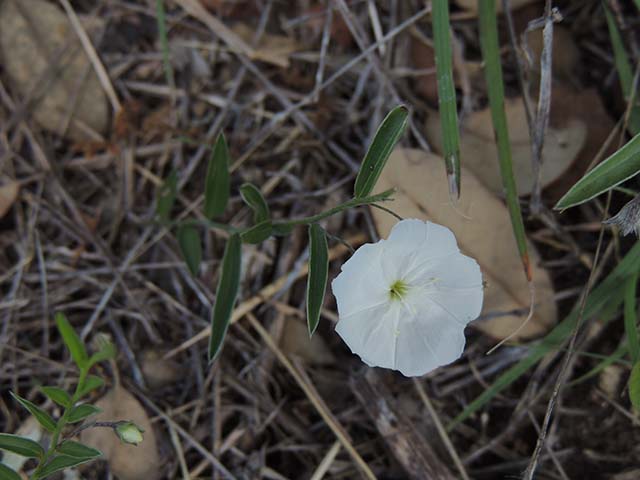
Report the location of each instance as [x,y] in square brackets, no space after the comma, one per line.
[609,380]
[34,37]
[485,235]
[273,49]
[295,341]
[158,371]
[423,57]
[479,154]
[472,5]
[8,195]
[565,53]
[126,462]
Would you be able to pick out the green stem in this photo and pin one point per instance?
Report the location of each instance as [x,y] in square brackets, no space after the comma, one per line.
[62,422]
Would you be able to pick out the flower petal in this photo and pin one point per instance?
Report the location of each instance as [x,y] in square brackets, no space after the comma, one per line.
[368,333]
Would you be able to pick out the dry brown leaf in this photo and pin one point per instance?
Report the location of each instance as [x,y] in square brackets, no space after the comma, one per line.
[29,45]
[8,195]
[126,462]
[479,154]
[295,341]
[565,53]
[274,49]
[472,5]
[481,224]
[158,371]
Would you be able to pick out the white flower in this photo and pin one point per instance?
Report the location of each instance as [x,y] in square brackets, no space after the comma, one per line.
[404,302]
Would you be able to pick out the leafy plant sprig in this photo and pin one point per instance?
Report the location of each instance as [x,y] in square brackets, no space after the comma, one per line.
[217,189]
[63,452]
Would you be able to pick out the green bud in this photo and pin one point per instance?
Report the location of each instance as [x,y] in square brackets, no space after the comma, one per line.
[129,432]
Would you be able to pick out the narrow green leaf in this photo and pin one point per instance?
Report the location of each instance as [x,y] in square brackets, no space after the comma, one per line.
[77,450]
[7,474]
[252,196]
[82,411]
[623,66]
[167,198]
[217,183]
[317,278]
[448,107]
[634,386]
[606,295]
[258,233]
[21,446]
[107,352]
[493,75]
[621,166]
[190,247]
[57,395]
[386,137]
[60,463]
[226,294]
[71,340]
[90,383]
[631,318]
[614,357]
[41,416]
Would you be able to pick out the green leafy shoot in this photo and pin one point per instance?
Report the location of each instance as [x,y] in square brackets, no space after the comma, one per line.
[21,446]
[217,183]
[226,294]
[61,462]
[82,411]
[257,233]
[386,137]
[190,247]
[77,450]
[448,107]
[40,415]
[90,383]
[167,198]
[620,166]
[71,340]
[57,395]
[252,196]
[317,278]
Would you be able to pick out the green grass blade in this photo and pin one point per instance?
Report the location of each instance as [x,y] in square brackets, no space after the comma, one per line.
[7,474]
[71,340]
[446,94]
[21,446]
[252,196]
[190,247]
[495,86]
[40,415]
[631,318]
[167,198]
[622,165]
[318,272]
[607,294]
[615,357]
[164,42]
[217,183]
[625,72]
[386,137]
[226,294]
[634,386]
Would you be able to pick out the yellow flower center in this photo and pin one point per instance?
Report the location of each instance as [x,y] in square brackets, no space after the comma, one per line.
[398,289]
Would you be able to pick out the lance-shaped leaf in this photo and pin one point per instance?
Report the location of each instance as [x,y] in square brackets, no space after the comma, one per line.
[317,278]
[190,247]
[57,395]
[90,383]
[634,386]
[7,474]
[167,198]
[106,351]
[622,165]
[20,445]
[71,340]
[258,233]
[226,294]
[388,134]
[41,416]
[60,463]
[217,183]
[252,196]
[77,450]
[81,412]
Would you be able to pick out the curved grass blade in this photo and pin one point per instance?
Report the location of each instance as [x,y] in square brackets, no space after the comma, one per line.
[60,463]
[252,196]
[446,94]
[167,198]
[606,295]
[20,445]
[190,247]
[77,450]
[631,318]
[621,166]
[217,183]
[634,386]
[495,86]
[7,474]
[82,411]
[41,416]
[57,395]
[386,137]
[317,278]
[258,233]
[226,294]
[71,340]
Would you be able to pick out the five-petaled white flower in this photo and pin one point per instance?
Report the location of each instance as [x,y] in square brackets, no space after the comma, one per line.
[404,302]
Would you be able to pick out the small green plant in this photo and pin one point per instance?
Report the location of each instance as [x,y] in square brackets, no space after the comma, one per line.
[62,451]
[216,196]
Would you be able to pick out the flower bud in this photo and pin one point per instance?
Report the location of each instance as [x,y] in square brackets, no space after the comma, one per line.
[129,432]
